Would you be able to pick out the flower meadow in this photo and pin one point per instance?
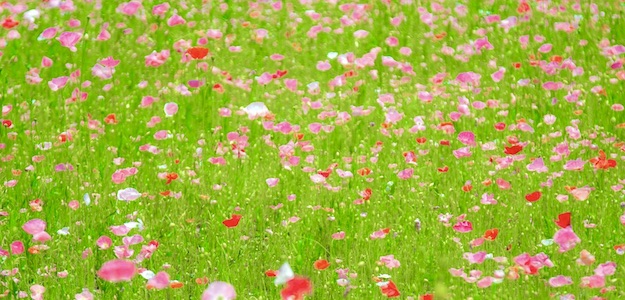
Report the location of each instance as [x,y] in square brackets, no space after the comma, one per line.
[312,149]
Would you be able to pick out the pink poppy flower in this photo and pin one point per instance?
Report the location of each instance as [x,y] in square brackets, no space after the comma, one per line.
[560,281]
[104,242]
[70,39]
[219,290]
[566,239]
[593,282]
[17,247]
[34,226]
[159,282]
[117,271]
[606,269]
[475,258]
[463,227]
[389,261]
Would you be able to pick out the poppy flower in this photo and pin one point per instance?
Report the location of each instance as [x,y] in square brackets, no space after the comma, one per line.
[366,194]
[64,137]
[281,73]
[523,7]
[533,197]
[440,36]
[9,23]
[500,126]
[556,58]
[201,280]
[219,290]
[296,288]
[171,177]
[491,234]
[321,264]
[364,171]
[512,150]
[350,73]
[233,221]
[217,87]
[325,173]
[117,271]
[564,220]
[197,52]
[271,273]
[7,123]
[443,169]
[390,290]
[110,119]
[427,297]
[421,140]
[601,161]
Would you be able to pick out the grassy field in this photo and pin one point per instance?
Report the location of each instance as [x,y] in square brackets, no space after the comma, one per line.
[410,149]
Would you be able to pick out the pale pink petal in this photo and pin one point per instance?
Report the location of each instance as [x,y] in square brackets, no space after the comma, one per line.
[160,281]
[560,281]
[219,290]
[117,271]
[171,109]
[34,226]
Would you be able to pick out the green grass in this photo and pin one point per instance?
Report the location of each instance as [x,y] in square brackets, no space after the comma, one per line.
[193,241]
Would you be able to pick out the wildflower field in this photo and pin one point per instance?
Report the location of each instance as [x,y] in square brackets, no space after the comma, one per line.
[312,149]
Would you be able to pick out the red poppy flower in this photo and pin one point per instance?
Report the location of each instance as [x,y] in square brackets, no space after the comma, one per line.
[171,177]
[366,194]
[427,297]
[443,169]
[564,220]
[364,171]
[271,273]
[440,36]
[500,126]
[217,87]
[523,7]
[533,197]
[281,73]
[9,23]
[296,288]
[325,173]
[64,137]
[556,58]
[197,52]
[444,143]
[390,290]
[110,119]
[467,188]
[491,234]
[421,140]
[321,264]
[7,123]
[601,161]
[233,221]
[512,150]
